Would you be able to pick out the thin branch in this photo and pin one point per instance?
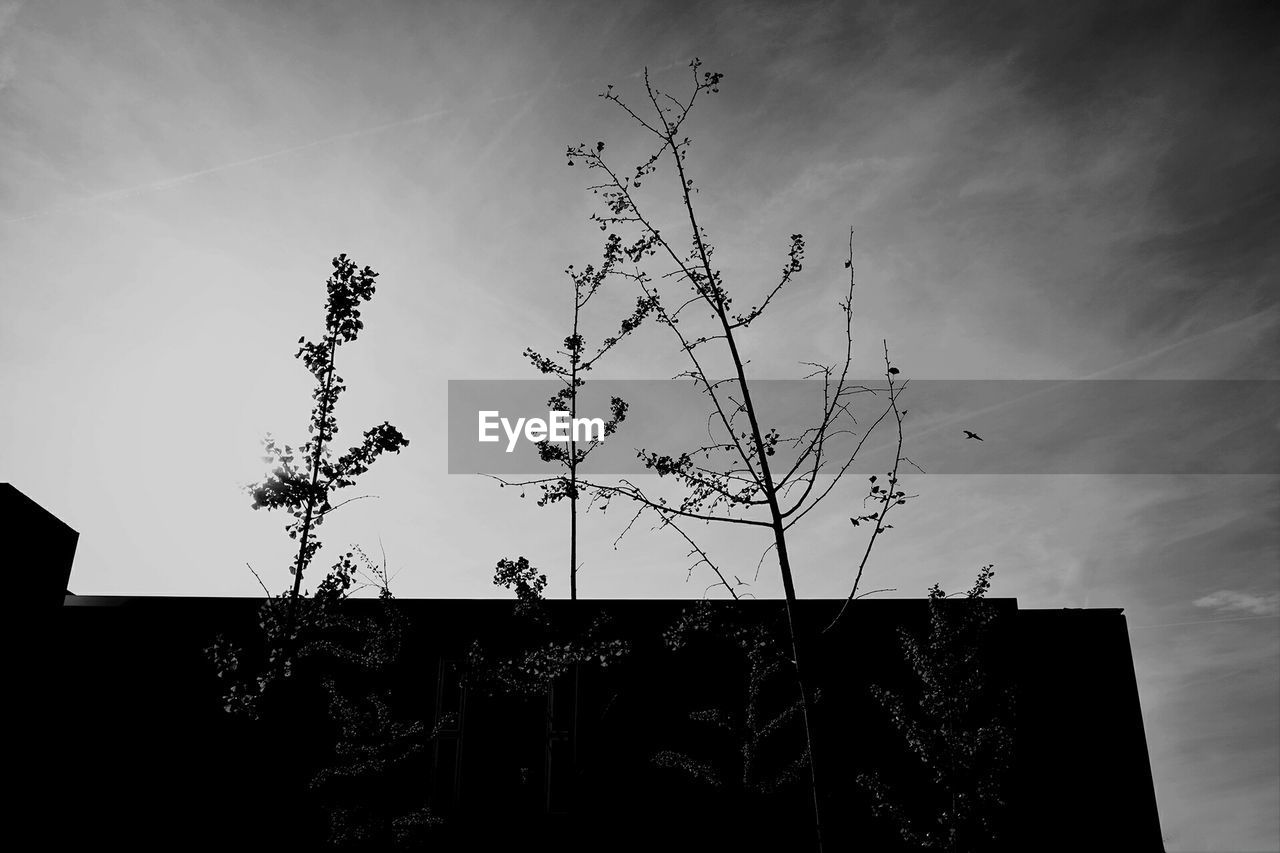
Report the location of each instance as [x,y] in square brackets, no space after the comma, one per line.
[259,578]
[697,549]
[891,499]
[325,512]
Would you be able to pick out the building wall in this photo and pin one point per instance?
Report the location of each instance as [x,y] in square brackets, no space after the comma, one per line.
[130,742]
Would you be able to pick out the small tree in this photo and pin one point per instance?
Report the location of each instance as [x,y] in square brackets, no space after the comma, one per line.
[302,482]
[751,727]
[745,489]
[959,726]
[548,659]
[298,629]
[544,655]
[305,490]
[577,361]
[368,787]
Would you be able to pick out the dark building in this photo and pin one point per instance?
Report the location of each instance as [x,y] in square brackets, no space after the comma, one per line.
[39,547]
[135,746]
[127,742]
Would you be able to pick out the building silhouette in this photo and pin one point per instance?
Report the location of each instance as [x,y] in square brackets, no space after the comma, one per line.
[126,740]
[42,543]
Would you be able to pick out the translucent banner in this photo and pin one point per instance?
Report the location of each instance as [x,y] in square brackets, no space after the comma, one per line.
[950,426]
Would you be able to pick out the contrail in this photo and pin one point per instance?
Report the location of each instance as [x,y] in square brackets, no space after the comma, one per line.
[166,183]
[129,192]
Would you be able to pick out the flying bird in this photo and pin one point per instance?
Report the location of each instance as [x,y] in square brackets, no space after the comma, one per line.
[968,434]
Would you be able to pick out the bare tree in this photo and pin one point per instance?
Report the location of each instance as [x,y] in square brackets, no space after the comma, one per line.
[746,488]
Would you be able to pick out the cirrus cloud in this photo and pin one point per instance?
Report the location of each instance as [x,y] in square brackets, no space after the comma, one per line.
[1231,601]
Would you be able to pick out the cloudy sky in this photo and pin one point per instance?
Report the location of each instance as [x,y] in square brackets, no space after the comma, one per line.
[1038,191]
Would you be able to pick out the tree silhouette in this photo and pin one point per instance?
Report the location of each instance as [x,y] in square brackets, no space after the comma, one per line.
[749,728]
[302,482]
[310,637]
[305,491]
[959,727]
[576,360]
[545,652]
[368,787]
[730,479]
[546,661]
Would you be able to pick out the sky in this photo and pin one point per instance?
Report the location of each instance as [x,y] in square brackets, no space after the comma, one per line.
[1048,192]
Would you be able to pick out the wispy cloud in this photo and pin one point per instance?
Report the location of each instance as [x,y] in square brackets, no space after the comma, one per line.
[7,13]
[176,180]
[1232,601]
[1038,193]
[8,68]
